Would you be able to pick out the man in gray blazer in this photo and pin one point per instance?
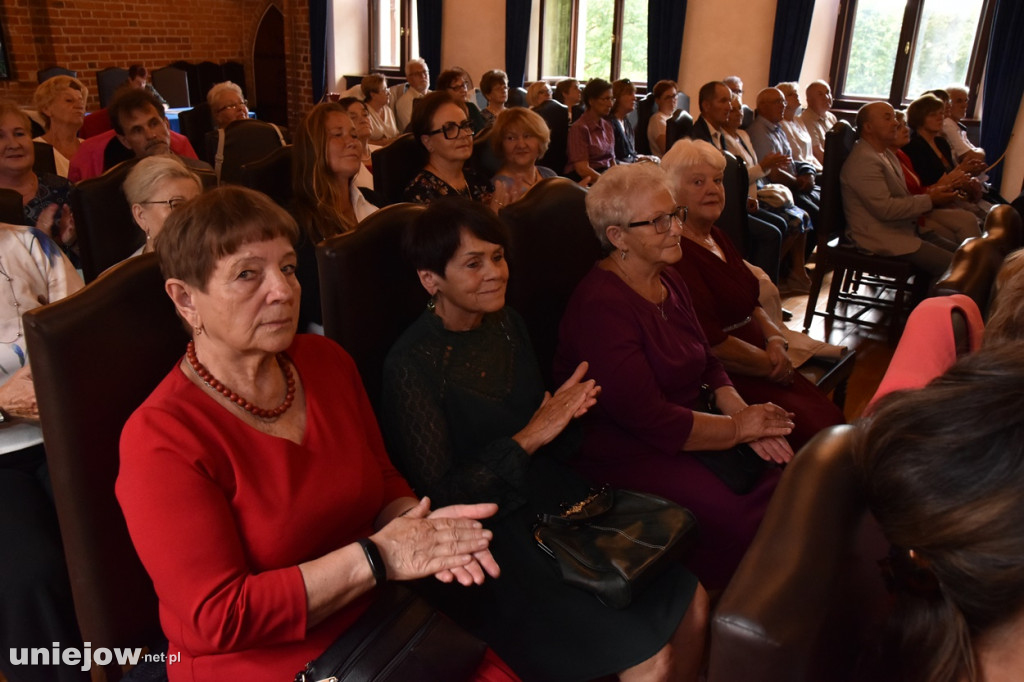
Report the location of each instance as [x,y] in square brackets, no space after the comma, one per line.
[881,214]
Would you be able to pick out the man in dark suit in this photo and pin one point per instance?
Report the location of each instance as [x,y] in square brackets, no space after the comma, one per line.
[715,102]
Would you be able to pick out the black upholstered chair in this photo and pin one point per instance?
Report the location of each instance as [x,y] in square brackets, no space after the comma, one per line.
[367,320]
[551,247]
[195,123]
[173,86]
[645,108]
[108,81]
[107,233]
[484,160]
[395,165]
[192,71]
[890,279]
[678,126]
[209,74]
[45,161]
[808,593]
[96,355]
[734,218]
[271,175]
[245,141]
[12,210]
[45,74]
[235,72]
[516,97]
[556,115]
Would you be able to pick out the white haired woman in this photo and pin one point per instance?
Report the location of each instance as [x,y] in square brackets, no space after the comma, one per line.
[632,319]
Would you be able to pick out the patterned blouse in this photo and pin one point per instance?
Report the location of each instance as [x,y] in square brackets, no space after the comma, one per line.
[426,187]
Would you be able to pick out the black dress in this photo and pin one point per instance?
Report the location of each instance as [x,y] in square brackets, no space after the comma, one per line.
[451,402]
[927,164]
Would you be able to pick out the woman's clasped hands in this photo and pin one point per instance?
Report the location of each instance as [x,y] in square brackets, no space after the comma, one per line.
[449,543]
[763,427]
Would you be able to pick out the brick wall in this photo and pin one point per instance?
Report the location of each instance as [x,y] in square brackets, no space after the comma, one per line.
[89,35]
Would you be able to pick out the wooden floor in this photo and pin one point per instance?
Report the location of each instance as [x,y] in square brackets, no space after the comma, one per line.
[873,349]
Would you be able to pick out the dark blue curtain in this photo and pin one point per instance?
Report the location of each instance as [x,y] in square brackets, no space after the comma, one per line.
[792,26]
[665,20]
[1004,82]
[428,14]
[517,38]
[318,47]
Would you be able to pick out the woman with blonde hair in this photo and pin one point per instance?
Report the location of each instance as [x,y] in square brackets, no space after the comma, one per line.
[61,102]
[155,187]
[520,137]
[326,200]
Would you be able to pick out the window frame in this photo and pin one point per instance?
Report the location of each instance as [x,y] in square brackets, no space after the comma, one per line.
[618,20]
[905,51]
[404,38]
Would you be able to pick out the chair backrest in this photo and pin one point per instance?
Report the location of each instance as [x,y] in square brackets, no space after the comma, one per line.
[195,123]
[107,233]
[484,160]
[95,357]
[551,247]
[245,141]
[808,592]
[683,102]
[173,86]
[556,115]
[367,320]
[832,222]
[209,75]
[235,72]
[516,97]
[976,263]
[108,81]
[46,74]
[45,161]
[734,218]
[645,108]
[12,209]
[271,175]
[192,71]
[395,165]
[678,126]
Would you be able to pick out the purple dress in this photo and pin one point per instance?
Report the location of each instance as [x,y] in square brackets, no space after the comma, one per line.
[650,362]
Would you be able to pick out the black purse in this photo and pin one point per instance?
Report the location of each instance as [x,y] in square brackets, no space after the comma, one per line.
[400,638]
[739,467]
[616,542]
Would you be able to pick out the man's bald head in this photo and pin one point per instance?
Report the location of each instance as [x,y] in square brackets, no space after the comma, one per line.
[877,124]
[771,104]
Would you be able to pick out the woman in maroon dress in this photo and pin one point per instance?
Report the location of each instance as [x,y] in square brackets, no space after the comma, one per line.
[632,320]
[725,296]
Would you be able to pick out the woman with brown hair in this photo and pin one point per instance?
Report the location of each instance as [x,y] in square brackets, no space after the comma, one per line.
[326,199]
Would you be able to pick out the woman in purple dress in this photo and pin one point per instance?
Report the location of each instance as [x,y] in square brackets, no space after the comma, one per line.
[631,318]
[724,292]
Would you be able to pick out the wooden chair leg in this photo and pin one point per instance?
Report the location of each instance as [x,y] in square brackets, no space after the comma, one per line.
[812,296]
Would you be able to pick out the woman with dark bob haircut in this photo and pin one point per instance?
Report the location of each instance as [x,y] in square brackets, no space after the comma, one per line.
[468,420]
[441,124]
[267,439]
[943,468]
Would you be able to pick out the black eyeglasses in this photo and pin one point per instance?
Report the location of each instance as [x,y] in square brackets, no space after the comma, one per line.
[171,203]
[452,130]
[663,223]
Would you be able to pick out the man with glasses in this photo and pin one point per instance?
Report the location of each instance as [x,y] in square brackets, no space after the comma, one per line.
[735,84]
[140,129]
[418,76]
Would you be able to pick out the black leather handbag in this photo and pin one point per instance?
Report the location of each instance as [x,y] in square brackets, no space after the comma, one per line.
[400,638]
[615,542]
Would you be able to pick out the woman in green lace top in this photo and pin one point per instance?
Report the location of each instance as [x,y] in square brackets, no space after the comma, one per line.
[467,419]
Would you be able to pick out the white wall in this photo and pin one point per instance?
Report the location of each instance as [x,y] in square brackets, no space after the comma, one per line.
[348,33]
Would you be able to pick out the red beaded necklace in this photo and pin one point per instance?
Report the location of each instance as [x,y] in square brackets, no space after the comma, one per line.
[212,382]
